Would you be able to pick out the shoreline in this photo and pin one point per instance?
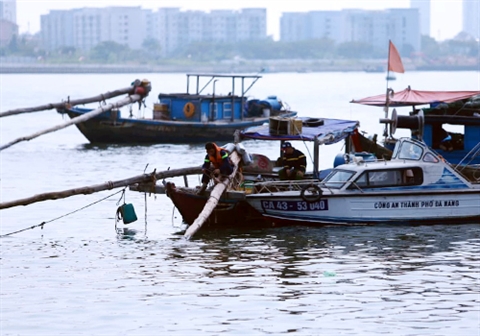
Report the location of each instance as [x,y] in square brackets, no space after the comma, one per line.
[268,67]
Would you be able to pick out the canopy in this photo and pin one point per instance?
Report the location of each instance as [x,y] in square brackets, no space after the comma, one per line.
[409,97]
[332,131]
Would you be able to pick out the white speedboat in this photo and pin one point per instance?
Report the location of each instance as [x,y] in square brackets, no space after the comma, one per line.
[416,186]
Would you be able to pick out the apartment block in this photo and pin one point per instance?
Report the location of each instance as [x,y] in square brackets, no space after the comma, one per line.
[8,10]
[471,18]
[86,27]
[424,9]
[355,25]
[175,28]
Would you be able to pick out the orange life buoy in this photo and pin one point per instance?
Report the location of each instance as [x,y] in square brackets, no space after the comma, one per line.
[189,110]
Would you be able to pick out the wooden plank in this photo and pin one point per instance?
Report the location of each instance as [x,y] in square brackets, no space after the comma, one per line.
[100,187]
[215,196]
[77,120]
[99,98]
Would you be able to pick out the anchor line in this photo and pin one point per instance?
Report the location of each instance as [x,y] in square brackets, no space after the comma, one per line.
[65,215]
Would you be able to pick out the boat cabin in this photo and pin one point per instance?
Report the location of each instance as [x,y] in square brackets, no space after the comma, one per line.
[454,145]
[433,112]
[412,166]
[196,106]
[322,131]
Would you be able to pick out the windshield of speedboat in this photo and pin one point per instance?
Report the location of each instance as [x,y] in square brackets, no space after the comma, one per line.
[407,150]
[337,178]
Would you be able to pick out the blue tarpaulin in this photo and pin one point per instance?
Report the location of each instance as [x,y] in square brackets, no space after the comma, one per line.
[332,131]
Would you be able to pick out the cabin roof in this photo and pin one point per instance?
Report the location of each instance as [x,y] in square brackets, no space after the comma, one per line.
[332,131]
[409,97]
[189,96]
[222,75]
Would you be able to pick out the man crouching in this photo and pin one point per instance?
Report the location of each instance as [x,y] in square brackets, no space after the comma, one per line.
[216,162]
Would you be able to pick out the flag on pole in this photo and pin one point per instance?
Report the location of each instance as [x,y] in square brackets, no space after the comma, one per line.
[394,60]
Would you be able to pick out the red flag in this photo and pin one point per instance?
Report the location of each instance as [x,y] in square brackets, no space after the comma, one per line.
[394,60]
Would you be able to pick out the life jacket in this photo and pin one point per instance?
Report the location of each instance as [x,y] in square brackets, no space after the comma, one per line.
[217,159]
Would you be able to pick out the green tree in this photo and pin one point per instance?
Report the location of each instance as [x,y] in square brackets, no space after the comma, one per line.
[355,50]
[13,44]
[429,47]
[110,52]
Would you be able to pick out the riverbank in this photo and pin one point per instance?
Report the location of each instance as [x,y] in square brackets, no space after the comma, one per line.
[220,67]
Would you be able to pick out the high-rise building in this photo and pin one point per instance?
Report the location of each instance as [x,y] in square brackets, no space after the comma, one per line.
[424,10]
[401,25]
[176,29]
[471,17]
[8,10]
[84,28]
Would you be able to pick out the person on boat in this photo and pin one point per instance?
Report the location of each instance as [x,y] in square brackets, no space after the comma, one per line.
[442,139]
[217,163]
[294,163]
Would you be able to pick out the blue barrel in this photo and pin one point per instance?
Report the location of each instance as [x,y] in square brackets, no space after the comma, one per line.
[272,102]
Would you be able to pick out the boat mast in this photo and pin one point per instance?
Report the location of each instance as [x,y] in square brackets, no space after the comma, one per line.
[387,100]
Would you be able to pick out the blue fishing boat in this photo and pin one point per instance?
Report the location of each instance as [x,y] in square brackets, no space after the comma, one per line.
[433,113]
[189,117]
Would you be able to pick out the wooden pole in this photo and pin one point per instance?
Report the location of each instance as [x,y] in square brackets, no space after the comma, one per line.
[213,199]
[77,120]
[145,178]
[98,98]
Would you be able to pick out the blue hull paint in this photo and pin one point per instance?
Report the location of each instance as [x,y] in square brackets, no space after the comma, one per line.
[108,129]
[305,220]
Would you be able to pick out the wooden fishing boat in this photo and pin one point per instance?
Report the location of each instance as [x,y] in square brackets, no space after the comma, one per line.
[188,117]
[232,208]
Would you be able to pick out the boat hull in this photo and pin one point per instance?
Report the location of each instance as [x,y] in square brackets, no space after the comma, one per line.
[229,212]
[403,208]
[106,130]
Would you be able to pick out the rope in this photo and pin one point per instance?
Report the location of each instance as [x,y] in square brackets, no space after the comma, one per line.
[54,219]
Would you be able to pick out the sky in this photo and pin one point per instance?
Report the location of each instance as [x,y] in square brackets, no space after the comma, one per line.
[446,16]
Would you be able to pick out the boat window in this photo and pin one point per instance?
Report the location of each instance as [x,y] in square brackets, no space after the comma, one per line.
[227,110]
[448,137]
[429,157]
[383,178]
[337,178]
[213,111]
[412,176]
[409,151]
[361,182]
[389,178]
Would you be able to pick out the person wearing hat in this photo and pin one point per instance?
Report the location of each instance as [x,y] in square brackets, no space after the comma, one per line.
[294,163]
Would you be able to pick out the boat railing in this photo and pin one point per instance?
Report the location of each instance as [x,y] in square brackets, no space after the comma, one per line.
[276,186]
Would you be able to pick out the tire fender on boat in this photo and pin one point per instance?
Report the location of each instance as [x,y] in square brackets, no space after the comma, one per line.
[316,193]
[189,110]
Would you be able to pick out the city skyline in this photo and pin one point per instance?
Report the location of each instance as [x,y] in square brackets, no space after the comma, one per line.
[450,11]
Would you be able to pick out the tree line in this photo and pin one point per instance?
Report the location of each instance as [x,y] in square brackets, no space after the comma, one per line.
[151,53]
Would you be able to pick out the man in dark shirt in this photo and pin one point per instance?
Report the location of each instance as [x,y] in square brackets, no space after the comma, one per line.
[294,163]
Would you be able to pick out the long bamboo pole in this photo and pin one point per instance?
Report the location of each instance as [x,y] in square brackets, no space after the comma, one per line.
[145,178]
[76,120]
[213,199]
[101,97]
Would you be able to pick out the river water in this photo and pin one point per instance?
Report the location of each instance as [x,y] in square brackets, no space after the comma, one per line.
[76,275]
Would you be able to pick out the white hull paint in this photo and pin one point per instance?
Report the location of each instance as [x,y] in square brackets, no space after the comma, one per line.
[406,208]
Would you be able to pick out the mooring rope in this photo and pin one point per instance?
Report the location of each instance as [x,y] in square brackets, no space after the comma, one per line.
[65,215]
